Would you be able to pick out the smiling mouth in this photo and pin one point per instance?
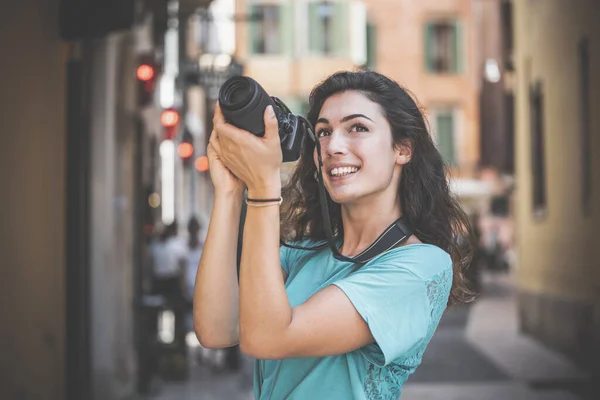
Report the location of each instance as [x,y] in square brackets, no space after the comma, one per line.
[343,171]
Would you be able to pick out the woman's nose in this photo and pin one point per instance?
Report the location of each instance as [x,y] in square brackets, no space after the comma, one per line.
[336,144]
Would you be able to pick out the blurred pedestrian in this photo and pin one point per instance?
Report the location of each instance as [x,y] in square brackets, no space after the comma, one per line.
[169,258]
[321,327]
[194,247]
[169,266]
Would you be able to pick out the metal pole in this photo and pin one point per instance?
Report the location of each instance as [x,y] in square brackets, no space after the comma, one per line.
[182,88]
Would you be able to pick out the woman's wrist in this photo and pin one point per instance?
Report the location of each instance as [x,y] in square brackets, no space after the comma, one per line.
[268,189]
[233,196]
[265,192]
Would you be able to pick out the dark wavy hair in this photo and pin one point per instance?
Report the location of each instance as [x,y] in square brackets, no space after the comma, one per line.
[427,203]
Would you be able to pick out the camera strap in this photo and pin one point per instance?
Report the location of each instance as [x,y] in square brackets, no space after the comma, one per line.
[395,234]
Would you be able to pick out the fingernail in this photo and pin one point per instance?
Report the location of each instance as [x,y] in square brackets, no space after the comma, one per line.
[270,112]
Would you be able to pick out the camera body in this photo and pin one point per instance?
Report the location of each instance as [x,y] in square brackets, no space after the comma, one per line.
[243,102]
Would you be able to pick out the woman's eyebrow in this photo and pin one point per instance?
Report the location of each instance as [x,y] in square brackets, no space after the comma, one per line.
[346,118]
[352,116]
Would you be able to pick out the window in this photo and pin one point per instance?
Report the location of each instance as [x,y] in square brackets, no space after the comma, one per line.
[327,33]
[265,29]
[444,128]
[584,93]
[371,45]
[509,131]
[506,22]
[538,160]
[442,47]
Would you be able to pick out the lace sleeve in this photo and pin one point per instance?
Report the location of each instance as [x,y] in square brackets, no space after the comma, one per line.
[438,292]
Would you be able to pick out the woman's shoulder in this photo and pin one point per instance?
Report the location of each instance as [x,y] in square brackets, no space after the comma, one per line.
[303,245]
[421,259]
[293,251]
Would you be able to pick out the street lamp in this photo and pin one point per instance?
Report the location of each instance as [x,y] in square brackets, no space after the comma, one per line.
[211,71]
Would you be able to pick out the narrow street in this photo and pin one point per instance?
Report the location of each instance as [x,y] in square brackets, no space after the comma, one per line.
[476,354]
[206,385]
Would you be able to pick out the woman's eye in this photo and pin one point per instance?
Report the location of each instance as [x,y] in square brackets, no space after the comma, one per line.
[322,133]
[358,128]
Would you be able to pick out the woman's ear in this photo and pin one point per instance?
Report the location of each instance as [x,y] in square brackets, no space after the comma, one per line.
[403,152]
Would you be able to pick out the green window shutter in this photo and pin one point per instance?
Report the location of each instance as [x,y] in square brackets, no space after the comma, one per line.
[316,31]
[457,49]
[371,45]
[429,47]
[286,29]
[339,29]
[253,30]
[445,135]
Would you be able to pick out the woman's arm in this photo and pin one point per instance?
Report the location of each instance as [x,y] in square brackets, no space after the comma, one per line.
[264,305]
[216,289]
[325,324]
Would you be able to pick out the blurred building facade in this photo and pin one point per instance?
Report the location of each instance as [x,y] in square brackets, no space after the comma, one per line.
[79,162]
[494,47]
[425,46]
[557,59]
[33,211]
[428,46]
[289,46]
[492,197]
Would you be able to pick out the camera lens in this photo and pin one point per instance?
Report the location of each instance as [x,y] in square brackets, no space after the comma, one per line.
[243,102]
[236,95]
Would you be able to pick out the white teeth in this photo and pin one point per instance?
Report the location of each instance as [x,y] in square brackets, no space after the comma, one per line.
[343,171]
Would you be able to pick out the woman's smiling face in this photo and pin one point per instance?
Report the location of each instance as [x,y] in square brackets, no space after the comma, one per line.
[359,157]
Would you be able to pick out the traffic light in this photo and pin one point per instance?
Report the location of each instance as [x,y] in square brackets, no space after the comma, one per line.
[201,164]
[169,119]
[185,149]
[146,74]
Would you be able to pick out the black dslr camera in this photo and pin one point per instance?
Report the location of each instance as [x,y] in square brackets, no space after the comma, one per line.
[243,102]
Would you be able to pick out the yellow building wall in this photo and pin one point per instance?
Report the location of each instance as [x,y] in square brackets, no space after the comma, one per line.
[558,271]
[557,252]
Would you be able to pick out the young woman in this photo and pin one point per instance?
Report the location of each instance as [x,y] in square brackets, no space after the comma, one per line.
[322,328]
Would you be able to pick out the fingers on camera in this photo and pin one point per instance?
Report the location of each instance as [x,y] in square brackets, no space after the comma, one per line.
[218,115]
[214,142]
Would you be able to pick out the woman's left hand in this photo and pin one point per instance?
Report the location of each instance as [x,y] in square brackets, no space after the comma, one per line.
[254,160]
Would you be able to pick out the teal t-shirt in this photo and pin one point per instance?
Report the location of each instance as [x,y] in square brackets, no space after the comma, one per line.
[401,294]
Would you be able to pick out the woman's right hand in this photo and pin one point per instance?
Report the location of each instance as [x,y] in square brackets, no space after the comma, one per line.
[224,181]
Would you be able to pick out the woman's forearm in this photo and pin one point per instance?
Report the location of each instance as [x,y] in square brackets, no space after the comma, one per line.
[216,288]
[265,311]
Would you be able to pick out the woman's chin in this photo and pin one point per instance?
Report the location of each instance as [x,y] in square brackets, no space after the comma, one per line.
[343,196]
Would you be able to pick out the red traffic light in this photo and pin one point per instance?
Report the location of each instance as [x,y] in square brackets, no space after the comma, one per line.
[145,72]
[185,150]
[201,163]
[169,118]
[170,132]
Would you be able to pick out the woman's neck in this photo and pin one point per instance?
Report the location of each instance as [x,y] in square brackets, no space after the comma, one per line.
[363,223]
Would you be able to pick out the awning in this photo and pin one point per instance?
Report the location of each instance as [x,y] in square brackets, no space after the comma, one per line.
[473,188]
